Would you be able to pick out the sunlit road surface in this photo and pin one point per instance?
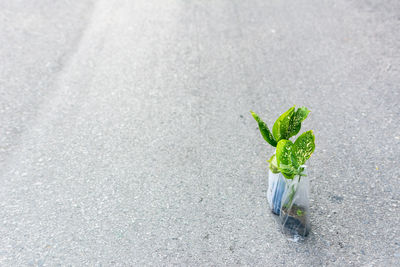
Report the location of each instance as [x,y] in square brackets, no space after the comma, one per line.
[126,137]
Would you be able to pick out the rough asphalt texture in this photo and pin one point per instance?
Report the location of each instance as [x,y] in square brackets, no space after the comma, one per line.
[126,137]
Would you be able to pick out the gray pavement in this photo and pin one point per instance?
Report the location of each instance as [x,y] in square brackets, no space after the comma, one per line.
[126,137]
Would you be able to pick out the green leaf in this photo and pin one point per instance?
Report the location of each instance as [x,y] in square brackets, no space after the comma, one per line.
[264,130]
[284,158]
[288,171]
[303,148]
[300,212]
[281,128]
[299,116]
[273,164]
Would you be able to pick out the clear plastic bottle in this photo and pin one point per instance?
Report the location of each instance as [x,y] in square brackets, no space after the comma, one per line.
[294,212]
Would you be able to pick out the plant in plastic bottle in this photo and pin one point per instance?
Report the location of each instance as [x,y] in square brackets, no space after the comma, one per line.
[290,158]
[286,126]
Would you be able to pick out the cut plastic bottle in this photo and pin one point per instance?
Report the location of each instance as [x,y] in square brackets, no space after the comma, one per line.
[294,211]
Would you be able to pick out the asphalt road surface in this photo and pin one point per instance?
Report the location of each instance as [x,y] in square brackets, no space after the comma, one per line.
[126,137]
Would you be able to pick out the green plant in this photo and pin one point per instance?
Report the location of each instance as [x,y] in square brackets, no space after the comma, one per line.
[286,126]
[291,156]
